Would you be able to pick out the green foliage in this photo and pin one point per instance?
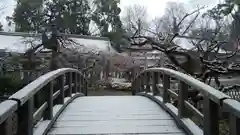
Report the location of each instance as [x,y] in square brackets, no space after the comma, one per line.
[10,83]
[106,15]
[27,15]
[70,16]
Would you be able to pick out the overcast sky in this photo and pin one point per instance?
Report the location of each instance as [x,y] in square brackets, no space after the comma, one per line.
[154,7]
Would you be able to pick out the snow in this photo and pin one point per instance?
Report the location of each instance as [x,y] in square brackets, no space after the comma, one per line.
[120,83]
[186,44]
[16,42]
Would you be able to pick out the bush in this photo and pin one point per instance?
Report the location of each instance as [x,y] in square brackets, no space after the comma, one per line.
[10,83]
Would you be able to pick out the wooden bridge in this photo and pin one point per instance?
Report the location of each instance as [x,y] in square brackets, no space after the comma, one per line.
[57,103]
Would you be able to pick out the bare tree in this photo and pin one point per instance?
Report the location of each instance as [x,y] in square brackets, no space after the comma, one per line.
[135,20]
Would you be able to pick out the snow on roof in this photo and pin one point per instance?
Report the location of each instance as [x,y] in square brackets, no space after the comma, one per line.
[20,42]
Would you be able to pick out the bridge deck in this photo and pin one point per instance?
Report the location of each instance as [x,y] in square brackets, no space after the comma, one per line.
[114,115]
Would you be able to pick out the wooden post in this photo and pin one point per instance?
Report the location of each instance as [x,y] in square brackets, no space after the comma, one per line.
[155,82]
[210,111]
[85,88]
[6,128]
[81,84]
[49,112]
[62,93]
[182,97]
[142,82]
[148,81]
[69,81]
[234,125]
[30,104]
[134,87]
[166,86]
[25,118]
[74,83]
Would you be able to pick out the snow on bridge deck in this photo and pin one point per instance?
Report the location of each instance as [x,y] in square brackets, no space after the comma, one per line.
[114,115]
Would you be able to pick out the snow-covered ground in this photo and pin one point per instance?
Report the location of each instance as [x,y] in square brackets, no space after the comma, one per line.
[120,83]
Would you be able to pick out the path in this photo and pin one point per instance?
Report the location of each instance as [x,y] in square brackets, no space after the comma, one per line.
[114,115]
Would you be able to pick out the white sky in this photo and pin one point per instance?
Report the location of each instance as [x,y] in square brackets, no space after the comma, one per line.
[154,7]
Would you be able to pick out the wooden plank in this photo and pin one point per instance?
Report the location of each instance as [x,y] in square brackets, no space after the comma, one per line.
[114,115]
[116,130]
[59,124]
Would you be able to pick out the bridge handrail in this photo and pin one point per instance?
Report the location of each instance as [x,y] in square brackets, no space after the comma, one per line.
[214,100]
[56,85]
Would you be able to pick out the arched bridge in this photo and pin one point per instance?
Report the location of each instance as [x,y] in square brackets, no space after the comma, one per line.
[57,104]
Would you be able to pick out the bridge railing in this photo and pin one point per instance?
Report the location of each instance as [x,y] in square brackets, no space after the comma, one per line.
[214,101]
[35,102]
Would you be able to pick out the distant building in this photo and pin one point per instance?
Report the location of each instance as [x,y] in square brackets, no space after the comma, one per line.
[18,43]
[145,55]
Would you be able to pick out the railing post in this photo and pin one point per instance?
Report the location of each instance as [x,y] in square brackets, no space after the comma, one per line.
[234,125]
[136,85]
[74,82]
[155,82]
[49,112]
[86,88]
[62,92]
[182,97]
[69,81]
[148,81]
[81,84]
[7,128]
[166,86]
[30,116]
[211,115]
[25,118]
[142,82]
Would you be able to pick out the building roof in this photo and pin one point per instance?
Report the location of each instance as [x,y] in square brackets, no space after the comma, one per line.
[20,42]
